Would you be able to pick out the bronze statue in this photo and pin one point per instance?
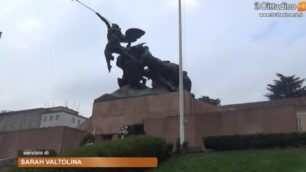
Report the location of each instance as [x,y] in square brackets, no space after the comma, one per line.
[115,38]
[137,62]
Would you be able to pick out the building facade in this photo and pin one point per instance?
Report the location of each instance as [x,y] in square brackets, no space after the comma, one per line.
[61,117]
[40,118]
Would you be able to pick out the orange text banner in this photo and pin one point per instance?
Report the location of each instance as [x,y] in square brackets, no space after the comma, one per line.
[83,162]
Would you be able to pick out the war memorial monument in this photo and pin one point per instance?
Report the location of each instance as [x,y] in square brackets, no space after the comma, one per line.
[154,109]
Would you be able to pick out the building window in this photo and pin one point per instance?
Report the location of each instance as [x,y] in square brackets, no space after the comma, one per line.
[14,124]
[11,125]
[51,118]
[45,118]
[8,124]
[56,117]
[79,121]
[24,123]
[73,120]
[17,124]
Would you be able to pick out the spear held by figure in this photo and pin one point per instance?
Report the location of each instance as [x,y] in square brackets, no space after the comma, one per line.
[115,38]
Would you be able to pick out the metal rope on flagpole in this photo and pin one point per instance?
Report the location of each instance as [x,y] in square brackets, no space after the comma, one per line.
[181,87]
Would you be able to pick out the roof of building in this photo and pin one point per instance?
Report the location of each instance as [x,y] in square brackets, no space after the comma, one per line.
[45,111]
[297,102]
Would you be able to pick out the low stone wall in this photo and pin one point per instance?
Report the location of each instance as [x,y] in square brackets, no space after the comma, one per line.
[60,139]
[281,119]
[300,101]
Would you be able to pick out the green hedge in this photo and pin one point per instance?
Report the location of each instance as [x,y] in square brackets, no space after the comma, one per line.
[255,141]
[133,146]
[89,138]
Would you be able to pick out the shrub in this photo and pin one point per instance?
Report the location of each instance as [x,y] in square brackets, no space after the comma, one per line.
[133,146]
[177,146]
[170,148]
[87,140]
[255,141]
[136,146]
[184,147]
[131,130]
[180,148]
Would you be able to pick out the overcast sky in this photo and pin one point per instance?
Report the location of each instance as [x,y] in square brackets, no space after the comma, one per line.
[51,51]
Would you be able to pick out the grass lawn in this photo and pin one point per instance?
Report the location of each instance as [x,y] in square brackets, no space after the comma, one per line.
[278,160]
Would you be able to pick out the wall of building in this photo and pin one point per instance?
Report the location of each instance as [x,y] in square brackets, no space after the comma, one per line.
[61,119]
[32,118]
[20,120]
[60,139]
[246,121]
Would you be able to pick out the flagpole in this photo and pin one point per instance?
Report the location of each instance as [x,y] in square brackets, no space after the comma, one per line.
[181,89]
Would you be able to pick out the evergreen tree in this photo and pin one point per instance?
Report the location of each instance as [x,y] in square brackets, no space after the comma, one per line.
[286,87]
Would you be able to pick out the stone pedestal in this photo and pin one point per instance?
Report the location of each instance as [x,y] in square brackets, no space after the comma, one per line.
[109,116]
[159,116]
[158,113]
